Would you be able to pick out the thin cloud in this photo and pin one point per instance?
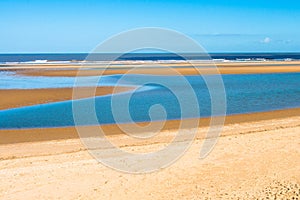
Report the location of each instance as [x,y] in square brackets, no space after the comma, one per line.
[225,35]
[266,40]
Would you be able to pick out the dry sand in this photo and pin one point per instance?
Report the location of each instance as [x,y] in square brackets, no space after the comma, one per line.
[252,160]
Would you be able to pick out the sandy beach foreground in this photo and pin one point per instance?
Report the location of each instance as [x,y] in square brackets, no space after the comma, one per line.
[252,160]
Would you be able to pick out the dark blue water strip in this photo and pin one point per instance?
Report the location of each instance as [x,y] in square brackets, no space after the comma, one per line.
[244,94]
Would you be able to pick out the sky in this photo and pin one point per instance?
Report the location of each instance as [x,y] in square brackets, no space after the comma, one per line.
[56,26]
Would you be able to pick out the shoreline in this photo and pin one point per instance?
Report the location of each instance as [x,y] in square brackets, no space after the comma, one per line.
[10,136]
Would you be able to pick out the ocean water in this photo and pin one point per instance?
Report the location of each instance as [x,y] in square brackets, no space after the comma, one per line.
[244,94]
[66,57]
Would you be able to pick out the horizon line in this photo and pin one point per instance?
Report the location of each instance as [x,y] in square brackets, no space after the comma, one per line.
[224,52]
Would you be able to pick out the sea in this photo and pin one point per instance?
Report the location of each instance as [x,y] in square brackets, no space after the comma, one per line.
[69,57]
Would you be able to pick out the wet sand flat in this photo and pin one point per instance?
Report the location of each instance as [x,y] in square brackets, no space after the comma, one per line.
[161,71]
[25,97]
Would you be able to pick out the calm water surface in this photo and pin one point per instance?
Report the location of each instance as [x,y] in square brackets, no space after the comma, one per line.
[244,94]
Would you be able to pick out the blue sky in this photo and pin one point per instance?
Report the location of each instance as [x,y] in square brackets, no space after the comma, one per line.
[218,25]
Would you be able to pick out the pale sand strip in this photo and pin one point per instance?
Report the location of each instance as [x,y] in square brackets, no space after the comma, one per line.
[161,71]
[250,160]
[183,68]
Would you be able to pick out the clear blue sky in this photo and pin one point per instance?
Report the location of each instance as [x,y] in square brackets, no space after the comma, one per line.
[219,25]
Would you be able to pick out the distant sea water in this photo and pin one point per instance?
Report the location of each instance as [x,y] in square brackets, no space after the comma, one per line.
[67,57]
